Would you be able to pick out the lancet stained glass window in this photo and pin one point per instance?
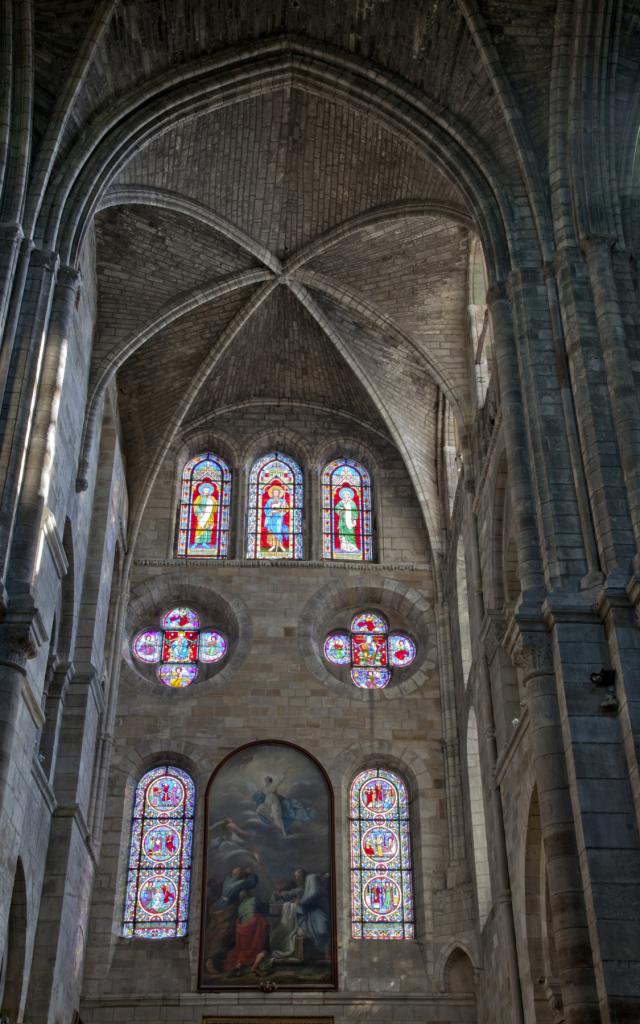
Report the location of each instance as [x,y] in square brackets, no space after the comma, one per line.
[381,886]
[346,511]
[370,650]
[179,647]
[205,502]
[274,528]
[157,899]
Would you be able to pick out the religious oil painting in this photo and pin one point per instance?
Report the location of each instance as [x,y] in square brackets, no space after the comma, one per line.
[268,904]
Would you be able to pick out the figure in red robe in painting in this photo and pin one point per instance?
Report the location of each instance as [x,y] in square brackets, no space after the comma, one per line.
[251,937]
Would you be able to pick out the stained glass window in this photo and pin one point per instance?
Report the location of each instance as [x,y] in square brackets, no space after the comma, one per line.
[157,899]
[205,502]
[381,888]
[275,508]
[179,646]
[370,650]
[346,511]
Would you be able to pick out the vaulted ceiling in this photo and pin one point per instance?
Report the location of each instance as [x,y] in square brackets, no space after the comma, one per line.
[275,235]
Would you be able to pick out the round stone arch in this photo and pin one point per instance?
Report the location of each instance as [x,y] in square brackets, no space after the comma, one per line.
[401,604]
[192,443]
[349,448]
[151,598]
[288,442]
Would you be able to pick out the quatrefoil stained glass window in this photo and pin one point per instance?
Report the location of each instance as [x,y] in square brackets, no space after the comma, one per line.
[179,647]
[371,651]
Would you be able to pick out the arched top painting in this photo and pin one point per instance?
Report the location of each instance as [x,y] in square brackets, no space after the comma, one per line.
[274,527]
[205,500]
[346,512]
[268,903]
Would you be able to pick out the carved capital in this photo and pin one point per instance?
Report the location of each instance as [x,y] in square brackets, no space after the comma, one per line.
[69,281]
[533,652]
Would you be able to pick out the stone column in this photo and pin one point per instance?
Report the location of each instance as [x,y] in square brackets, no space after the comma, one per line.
[532,654]
[622,386]
[520,482]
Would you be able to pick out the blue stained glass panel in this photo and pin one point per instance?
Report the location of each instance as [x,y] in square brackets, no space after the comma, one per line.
[370,678]
[337,648]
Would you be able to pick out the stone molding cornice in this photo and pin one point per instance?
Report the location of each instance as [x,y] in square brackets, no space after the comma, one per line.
[299,564]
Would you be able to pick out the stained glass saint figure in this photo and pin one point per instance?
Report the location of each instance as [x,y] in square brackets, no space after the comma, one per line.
[346,511]
[275,508]
[370,649]
[381,885]
[204,508]
[159,875]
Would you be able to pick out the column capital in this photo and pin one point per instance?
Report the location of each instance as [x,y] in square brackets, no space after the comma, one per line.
[528,642]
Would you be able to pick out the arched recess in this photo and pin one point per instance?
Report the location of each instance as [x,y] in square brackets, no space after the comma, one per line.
[478,822]
[464,626]
[459,976]
[544,988]
[13,978]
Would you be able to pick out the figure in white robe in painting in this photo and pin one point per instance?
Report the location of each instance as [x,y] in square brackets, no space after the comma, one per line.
[304,913]
[276,809]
